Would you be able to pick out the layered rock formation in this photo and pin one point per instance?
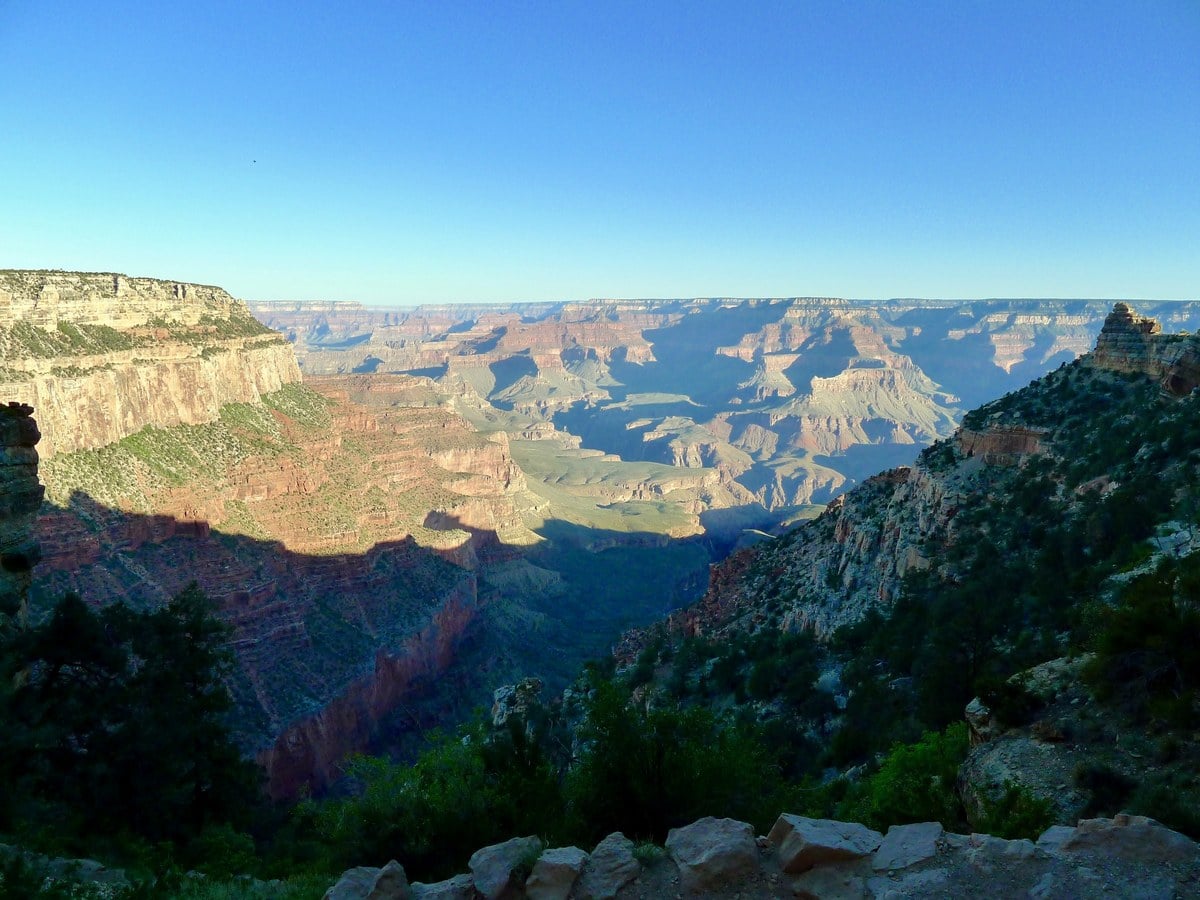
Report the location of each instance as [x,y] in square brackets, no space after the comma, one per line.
[789,401]
[340,533]
[101,356]
[1129,856]
[1132,343]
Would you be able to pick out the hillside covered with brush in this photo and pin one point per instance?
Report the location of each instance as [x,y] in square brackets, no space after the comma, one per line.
[1041,560]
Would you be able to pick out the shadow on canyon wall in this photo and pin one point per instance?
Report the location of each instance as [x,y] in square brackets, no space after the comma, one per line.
[345,652]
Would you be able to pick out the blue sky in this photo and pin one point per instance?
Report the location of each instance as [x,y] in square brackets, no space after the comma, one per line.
[429,152]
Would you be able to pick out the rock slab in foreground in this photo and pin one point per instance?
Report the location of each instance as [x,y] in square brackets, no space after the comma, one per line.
[555,873]
[712,853]
[493,868]
[1136,838]
[369,883]
[803,843]
[907,845]
[610,867]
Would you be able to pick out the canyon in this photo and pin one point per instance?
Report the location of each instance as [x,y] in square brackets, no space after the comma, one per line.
[788,401]
[856,555]
[398,510]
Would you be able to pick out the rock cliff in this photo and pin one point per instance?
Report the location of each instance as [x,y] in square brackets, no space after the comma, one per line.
[1132,343]
[340,532]
[101,356]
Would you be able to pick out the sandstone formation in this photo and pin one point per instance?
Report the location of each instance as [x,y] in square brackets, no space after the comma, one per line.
[340,537]
[1126,856]
[357,537]
[1132,343]
[101,356]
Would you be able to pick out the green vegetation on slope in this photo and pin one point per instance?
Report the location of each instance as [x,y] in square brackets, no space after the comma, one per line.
[181,454]
[25,340]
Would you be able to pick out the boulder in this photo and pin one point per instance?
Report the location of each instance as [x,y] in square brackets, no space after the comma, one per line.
[1054,837]
[493,868]
[555,873]
[390,884]
[610,867]
[355,884]
[711,853]
[803,843]
[983,727]
[1135,838]
[460,887]
[907,845]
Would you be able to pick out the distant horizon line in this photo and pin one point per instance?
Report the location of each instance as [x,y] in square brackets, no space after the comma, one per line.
[711,298]
[715,299]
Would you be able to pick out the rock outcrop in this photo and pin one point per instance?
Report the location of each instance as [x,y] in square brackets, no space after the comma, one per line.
[1129,342]
[101,356]
[1125,856]
[20,499]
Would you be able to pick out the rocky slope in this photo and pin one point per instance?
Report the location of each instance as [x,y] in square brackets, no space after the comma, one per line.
[856,555]
[100,356]
[1127,856]
[1043,560]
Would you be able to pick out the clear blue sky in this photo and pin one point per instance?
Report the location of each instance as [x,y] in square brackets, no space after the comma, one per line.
[399,152]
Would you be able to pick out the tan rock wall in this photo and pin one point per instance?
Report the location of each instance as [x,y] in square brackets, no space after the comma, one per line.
[89,401]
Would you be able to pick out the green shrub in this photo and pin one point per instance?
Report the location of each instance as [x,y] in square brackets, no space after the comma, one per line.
[1016,814]
[915,783]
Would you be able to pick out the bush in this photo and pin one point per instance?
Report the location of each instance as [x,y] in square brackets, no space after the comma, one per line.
[1016,814]
[647,771]
[915,783]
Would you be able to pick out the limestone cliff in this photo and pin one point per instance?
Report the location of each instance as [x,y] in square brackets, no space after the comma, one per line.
[101,356]
[310,520]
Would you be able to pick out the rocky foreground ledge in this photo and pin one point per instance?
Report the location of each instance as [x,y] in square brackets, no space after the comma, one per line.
[1126,856]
